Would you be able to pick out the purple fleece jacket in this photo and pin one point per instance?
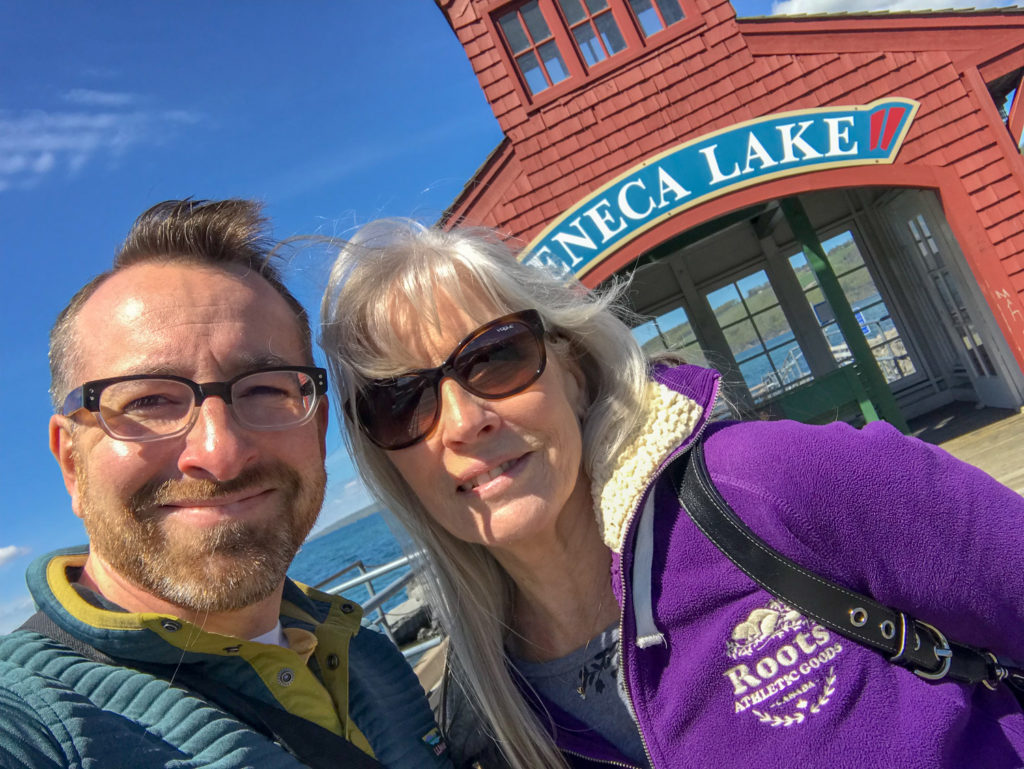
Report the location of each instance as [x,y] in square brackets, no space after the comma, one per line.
[738,680]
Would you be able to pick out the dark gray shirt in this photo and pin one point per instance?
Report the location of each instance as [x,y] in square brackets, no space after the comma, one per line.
[586,683]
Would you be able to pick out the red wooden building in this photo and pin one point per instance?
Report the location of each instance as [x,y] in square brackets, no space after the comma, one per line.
[787,194]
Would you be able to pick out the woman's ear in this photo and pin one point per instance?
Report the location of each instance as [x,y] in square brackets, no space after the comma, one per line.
[578,393]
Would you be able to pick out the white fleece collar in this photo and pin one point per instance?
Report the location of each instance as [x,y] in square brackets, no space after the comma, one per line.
[619,482]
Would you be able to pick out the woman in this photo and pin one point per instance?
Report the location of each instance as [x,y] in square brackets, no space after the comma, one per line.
[515,428]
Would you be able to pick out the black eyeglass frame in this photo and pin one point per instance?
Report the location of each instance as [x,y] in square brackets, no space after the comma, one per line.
[87,396]
[434,376]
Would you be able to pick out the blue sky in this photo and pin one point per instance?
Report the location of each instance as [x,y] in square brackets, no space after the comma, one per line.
[333,113]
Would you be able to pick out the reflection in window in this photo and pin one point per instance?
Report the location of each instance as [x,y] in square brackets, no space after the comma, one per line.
[868,307]
[655,15]
[533,47]
[594,29]
[759,336]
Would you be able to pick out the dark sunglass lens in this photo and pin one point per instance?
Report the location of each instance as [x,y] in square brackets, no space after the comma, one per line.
[502,360]
[397,412]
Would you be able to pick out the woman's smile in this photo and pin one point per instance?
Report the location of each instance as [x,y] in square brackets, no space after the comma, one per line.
[484,478]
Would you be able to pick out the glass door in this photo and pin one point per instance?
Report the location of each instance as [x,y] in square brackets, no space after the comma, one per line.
[935,257]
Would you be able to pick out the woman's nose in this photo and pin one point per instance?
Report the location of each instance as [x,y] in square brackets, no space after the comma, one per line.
[464,416]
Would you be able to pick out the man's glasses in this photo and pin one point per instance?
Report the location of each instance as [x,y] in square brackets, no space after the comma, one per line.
[499,359]
[142,407]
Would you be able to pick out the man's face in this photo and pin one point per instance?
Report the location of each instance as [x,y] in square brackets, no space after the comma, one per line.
[210,520]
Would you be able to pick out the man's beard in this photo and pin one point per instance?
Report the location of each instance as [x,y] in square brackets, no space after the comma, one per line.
[226,567]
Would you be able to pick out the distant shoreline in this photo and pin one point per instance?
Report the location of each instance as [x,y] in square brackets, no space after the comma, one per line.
[350,518]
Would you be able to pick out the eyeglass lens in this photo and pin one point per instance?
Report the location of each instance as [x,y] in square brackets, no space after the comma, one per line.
[501,359]
[138,409]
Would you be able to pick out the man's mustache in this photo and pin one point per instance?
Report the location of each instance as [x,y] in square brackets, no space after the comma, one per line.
[170,492]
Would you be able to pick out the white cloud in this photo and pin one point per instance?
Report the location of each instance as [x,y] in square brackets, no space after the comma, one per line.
[10,552]
[44,163]
[791,7]
[13,613]
[89,97]
[37,144]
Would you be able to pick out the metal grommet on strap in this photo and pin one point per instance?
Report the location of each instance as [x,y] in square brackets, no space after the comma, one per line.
[888,630]
[858,617]
[942,653]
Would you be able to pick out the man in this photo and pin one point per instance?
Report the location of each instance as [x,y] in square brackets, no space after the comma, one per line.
[189,429]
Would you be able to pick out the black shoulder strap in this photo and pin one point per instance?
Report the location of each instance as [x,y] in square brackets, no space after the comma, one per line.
[905,641]
[310,743]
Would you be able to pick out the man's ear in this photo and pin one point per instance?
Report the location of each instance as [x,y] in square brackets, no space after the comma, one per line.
[63,450]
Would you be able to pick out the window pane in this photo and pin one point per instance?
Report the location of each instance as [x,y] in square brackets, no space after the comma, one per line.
[670,331]
[610,34]
[532,72]
[647,16]
[587,42]
[514,32]
[773,326]
[790,364]
[671,11]
[803,271]
[535,22]
[553,62]
[573,10]
[596,5]
[859,288]
[842,253]
[742,340]
[724,302]
[761,379]
[680,335]
[757,291]
[650,338]
[676,329]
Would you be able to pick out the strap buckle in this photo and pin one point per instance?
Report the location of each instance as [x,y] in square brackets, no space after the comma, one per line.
[942,653]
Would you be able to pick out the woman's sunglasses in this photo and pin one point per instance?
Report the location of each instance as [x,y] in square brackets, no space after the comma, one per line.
[499,359]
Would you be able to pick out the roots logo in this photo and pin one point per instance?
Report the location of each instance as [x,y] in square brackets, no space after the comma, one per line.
[786,671]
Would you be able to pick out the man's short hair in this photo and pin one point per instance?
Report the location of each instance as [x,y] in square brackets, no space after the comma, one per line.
[218,233]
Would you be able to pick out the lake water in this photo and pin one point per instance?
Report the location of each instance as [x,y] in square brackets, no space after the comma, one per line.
[369,539]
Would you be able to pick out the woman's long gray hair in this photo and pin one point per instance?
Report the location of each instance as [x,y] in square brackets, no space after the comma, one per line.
[386,279]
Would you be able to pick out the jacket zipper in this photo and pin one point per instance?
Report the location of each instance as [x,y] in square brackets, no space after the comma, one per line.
[626,593]
[601,760]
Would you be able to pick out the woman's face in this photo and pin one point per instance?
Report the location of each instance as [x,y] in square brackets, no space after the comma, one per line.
[503,473]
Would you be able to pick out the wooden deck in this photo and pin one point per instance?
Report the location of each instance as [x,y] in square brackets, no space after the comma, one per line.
[991,439]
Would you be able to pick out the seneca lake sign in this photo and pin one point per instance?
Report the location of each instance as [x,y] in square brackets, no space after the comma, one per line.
[783,144]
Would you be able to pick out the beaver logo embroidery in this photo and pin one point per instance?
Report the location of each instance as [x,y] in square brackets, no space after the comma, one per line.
[785,672]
